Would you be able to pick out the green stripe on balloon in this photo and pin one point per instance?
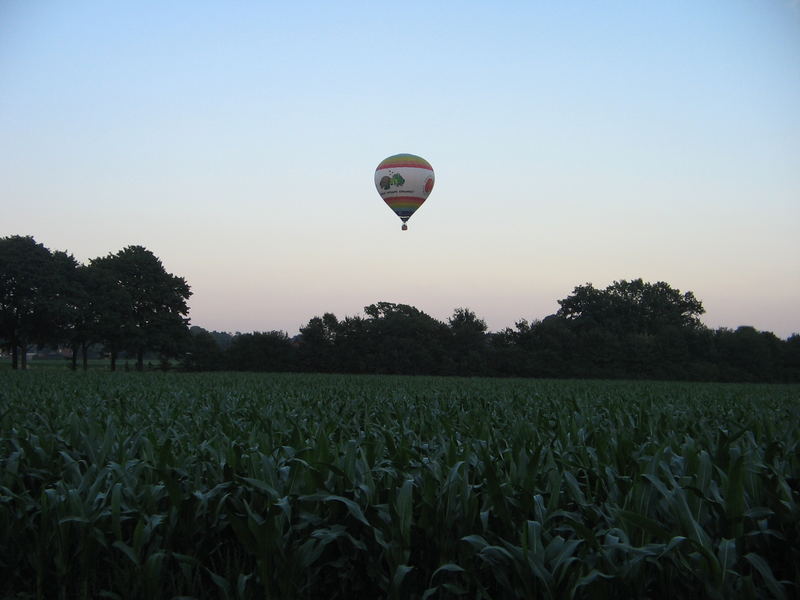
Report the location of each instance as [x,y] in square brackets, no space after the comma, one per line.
[407,203]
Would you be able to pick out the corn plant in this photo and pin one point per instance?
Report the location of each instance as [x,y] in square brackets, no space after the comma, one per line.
[129,485]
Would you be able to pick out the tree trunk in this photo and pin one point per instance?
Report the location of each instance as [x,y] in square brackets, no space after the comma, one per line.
[85,355]
[23,362]
[14,351]
[74,361]
[140,360]
[113,360]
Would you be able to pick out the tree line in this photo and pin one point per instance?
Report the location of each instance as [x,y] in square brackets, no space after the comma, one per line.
[123,302]
[127,302]
[630,330]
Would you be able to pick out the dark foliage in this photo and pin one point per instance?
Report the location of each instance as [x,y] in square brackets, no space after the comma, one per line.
[124,301]
[260,351]
[37,300]
[129,303]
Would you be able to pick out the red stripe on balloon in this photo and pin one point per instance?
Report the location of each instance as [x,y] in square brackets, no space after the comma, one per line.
[395,165]
[405,199]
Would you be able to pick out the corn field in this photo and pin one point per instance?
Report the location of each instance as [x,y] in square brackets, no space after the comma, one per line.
[129,485]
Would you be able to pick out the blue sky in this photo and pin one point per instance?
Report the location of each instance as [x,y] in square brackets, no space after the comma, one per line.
[572,142]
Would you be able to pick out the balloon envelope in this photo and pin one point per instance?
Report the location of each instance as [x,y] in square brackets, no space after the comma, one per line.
[404,181]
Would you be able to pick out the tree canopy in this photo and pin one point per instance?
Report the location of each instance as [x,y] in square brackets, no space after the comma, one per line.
[36,293]
[153,315]
[631,307]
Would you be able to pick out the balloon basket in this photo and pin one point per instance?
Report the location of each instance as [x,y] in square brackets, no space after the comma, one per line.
[405,227]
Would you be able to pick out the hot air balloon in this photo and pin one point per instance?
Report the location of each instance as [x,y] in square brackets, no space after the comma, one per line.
[404,181]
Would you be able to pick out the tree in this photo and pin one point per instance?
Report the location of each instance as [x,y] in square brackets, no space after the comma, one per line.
[631,306]
[97,313]
[261,351]
[748,355]
[507,357]
[35,294]
[352,347]
[222,338]
[318,339]
[791,358]
[203,352]
[555,351]
[153,317]
[108,312]
[405,340]
[631,329]
[78,321]
[468,345]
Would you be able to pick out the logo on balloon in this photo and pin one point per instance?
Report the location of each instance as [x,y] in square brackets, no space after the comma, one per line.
[395,180]
[428,185]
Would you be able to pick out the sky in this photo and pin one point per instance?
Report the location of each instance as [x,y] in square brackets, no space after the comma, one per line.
[573,142]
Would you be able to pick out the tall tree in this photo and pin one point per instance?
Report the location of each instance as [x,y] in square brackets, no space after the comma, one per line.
[76,327]
[629,329]
[748,354]
[110,309]
[468,344]
[203,352]
[261,351]
[791,358]
[154,316]
[318,339]
[631,306]
[101,313]
[34,294]
[69,303]
[403,339]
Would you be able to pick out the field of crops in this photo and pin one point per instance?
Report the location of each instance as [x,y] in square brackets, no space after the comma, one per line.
[151,485]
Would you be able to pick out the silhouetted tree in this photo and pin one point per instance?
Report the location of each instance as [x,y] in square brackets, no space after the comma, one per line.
[631,329]
[468,348]
[403,339]
[747,354]
[78,327]
[554,348]
[352,347]
[790,359]
[632,307]
[506,357]
[317,347]
[261,351]
[35,295]
[109,312]
[203,353]
[222,338]
[154,315]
